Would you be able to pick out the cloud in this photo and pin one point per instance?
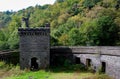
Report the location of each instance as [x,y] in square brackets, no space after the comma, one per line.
[16,5]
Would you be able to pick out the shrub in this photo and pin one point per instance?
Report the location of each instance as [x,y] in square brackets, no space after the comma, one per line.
[67,63]
[74,67]
[102,76]
[79,67]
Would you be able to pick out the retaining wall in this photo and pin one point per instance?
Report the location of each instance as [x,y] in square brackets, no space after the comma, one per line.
[110,55]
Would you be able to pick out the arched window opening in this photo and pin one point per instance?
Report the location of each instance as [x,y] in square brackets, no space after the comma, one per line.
[77,60]
[103,67]
[88,62]
[34,64]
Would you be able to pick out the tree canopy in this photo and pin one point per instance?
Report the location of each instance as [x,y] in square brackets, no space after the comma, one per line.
[73,22]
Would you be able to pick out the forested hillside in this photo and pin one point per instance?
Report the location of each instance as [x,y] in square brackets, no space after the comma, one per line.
[73,23]
[5,18]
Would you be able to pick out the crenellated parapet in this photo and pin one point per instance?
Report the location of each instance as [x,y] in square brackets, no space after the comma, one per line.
[44,31]
[34,47]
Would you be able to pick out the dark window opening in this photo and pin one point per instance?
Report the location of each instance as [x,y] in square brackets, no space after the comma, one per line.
[88,62]
[77,60]
[103,67]
[34,64]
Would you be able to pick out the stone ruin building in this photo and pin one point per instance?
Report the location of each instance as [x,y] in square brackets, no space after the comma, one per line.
[36,53]
[34,47]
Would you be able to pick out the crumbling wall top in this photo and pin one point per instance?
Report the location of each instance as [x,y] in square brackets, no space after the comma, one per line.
[34,31]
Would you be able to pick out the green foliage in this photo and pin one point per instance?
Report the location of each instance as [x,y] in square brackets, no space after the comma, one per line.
[108,3]
[58,1]
[107,31]
[73,22]
[117,6]
[74,36]
[14,72]
[5,18]
[3,45]
[73,67]
[100,71]
[13,41]
[90,3]
[63,40]
[79,67]
[53,41]
[5,66]
[3,40]
[2,35]
[89,33]
[102,76]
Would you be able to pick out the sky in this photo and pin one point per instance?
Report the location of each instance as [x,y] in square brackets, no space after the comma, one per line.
[16,5]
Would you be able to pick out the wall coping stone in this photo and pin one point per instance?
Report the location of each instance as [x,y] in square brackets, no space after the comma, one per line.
[102,50]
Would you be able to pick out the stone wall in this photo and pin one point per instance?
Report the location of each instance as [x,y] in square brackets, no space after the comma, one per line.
[34,43]
[97,54]
[9,57]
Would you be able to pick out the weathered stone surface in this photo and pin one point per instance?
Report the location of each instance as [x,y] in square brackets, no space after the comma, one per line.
[97,54]
[105,50]
[34,43]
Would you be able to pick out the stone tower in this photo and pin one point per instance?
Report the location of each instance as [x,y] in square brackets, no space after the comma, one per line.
[34,47]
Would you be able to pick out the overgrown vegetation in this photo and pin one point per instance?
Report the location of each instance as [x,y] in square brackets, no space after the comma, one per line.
[73,22]
[13,72]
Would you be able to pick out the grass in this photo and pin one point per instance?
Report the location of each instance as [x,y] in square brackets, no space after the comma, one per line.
[50,75]
[13,72]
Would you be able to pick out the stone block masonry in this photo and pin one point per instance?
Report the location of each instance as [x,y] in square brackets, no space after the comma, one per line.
[35,53]
[34,47]
[105,57]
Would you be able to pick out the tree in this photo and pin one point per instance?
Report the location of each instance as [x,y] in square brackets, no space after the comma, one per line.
[63,40]
[62,18]
[90,3]
[13,41]
[74,37]
[117,6]
[3,40]
[2,35]
[107,31]
[89,33]
[59,1]
[53,41]
[14,24]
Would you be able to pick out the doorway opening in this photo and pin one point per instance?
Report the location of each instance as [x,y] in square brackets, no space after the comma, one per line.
[34,64]
[77,60]
[103,67]
[88,62]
